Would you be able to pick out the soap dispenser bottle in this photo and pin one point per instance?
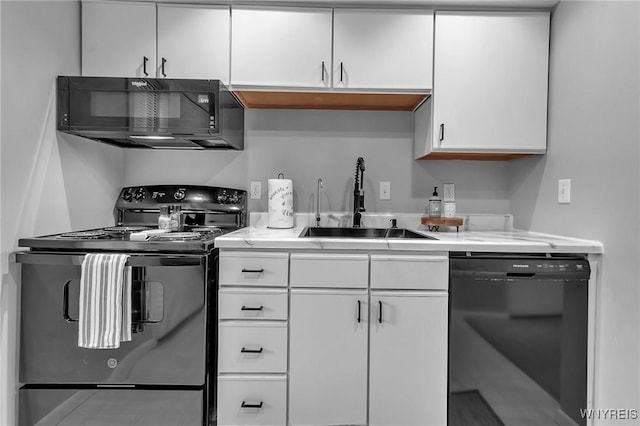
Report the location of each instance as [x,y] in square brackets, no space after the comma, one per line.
[435,204]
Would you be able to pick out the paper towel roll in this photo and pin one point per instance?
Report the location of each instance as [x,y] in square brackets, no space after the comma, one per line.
[280,203]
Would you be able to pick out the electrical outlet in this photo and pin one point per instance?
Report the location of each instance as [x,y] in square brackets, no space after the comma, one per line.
[449,190]
[256,190]
[564,191]
[385,190]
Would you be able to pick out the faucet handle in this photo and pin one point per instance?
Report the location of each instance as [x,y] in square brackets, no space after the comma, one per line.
[394,222]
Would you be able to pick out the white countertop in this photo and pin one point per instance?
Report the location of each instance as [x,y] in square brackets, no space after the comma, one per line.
[471,237]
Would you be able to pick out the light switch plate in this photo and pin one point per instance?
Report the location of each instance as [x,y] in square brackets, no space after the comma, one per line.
[564,191]
[256,190]
[385,190]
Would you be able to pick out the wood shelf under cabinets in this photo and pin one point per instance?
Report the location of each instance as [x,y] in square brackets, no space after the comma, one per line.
[331,100]
[479,156]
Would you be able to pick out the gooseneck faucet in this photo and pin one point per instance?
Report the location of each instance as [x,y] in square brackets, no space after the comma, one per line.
[358,193]
[320,187]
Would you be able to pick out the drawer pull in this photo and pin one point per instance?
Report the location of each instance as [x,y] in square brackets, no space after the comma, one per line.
[253,271]
[245,405]
[247,308]
[251,351]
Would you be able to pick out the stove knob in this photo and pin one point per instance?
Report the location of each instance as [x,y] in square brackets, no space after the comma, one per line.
[179,195]
[139,195]
[223,198]
[234,198]
[128,194]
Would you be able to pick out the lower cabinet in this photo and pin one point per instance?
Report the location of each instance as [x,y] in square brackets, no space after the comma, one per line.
[408,359]
[362,340]
[252,400]
[328,357]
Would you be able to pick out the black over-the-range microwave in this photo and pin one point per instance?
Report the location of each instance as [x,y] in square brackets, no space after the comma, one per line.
[151,113]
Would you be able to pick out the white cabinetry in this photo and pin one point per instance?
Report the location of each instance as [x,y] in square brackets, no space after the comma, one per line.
[328,357]
[408,358]
[489,85]
[120,39]
[382,49]
[292,47]
[252,338]
[286,47]
[337,328]
[194,41]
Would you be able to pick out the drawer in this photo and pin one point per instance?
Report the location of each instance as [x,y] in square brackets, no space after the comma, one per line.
[242,303]
[329,270]
[252,400]
[246,347]
[411,272]
[254,268]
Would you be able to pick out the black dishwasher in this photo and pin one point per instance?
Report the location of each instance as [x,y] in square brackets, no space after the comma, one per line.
[517,338]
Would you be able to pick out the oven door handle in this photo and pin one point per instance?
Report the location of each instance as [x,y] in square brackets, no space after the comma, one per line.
[135,261]
[65,303]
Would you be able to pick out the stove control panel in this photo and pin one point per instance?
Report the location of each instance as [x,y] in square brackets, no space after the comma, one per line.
[138,197]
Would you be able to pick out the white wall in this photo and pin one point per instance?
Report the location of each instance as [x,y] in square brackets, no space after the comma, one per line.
[45,176]
[306,145]
[593,139]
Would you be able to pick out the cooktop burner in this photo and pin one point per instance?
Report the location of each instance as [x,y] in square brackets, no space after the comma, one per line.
[124,230]
[84,235]
[178,236]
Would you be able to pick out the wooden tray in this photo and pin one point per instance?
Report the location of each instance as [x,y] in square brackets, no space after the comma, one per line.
[434,223]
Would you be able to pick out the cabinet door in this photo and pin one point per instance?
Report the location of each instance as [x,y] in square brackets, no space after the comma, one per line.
[281,47]
[117,37]
[408,359]
[490,81]
[193,41]
[328,357]
[382,49]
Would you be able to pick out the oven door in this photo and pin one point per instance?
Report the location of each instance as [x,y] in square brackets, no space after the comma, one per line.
[136,106]
[169,294]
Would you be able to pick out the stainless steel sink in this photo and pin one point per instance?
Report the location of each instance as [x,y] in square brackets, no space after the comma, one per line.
[329,232]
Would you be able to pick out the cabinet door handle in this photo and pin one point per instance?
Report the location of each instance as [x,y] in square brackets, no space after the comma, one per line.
[65,303]
[341,72]
[322,71]
[254,271]
[380,312]
[251,351]
[245,405]
[359,317]
[441,132]
[164,61]
[144,65]
[247,308]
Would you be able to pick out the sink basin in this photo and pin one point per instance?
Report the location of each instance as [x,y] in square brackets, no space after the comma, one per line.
[328,232]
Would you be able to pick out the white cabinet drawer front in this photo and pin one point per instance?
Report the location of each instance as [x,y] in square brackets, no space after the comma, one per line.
[410,272]
[254,269]
[252,347]
[253,304]
[252,400]
[330,270]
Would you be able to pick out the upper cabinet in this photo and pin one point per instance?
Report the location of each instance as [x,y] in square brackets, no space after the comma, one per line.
[193,41]
[322,58]
[281,47]
[382,49]
[490,86]
[120,39]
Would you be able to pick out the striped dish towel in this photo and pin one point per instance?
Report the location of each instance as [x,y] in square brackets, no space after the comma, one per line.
[105,301]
